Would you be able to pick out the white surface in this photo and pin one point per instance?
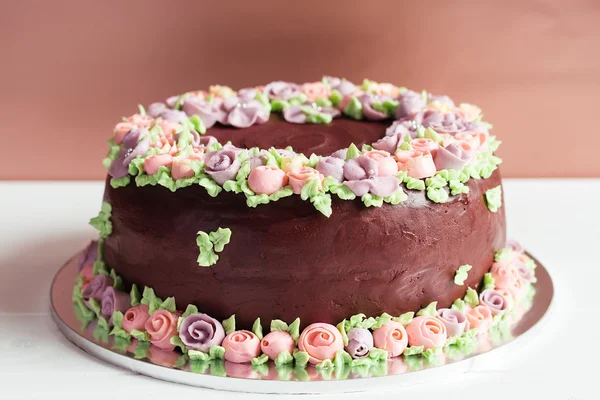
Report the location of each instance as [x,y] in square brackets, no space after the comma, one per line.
[42,224]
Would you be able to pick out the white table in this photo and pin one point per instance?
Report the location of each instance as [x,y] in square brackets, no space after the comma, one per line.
[43,224]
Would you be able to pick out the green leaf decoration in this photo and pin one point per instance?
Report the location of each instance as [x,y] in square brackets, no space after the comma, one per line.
[404,146]
[117,281]
[413,350]
[142,336]
[405,318]
[244,171]
[197,355]
[189,310]
[429,311]
[279,105]
[121,343]
[198,366]
[262,359]
[301,358]
[142,110]
[257,328]
[322,202]
[229,325]
[335,97]
[177,342]
[294,329]
[362,362]
[325,364]
[433,135]
[459,305]
[493,198]
[378,354]
[471,298]
[432,356]
[323,102]
[435,182]
[310,189]
[462,273]
[104,324]
[198,125]
[207,256]
[100,333]
[313,160]
[220,238]
[281,193]
[382,320]
[356,320]
[278,325]
[99,268]
[488,282]
[341,358]
[149,298]
[284,358]
[212,188]
[232,186]
[142,350]
[354,108]
[120,182]
[95,306]
[396,197]
[168,304]
[342,328]
[134,295]
[371,200]
[420,131]
[117,319]
[216,352]
[457,187]
[102,221]
[256,200]
[352,152]
[437,195]
[414,184]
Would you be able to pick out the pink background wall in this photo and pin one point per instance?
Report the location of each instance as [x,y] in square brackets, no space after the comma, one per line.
[70,69]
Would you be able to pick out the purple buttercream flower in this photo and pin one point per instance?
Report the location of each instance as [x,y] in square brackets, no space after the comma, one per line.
[222,165]
[341,153]
[515,246]
[88,255]
[114,300]
[368,100]
[280,90]
[208,111]
[409,102]
[360,342]
[449,122]
[455,321]
[96,288]
[359,168]
[476,126]
[495,300]
[200,332]
[173,115]
[345,87]
[243,110]
[299,114]
[441,99]
[207,140]
[453,156]
[361,174]
[131,147]
[389,143]
[331,166]
[196,138]
[285,153]
[405,126]
[155,109]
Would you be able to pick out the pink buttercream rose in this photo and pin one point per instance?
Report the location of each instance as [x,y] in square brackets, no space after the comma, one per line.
[506,276]
[169,127]
[121,129]
[181,168]
[416,163]
[153,163]
[277,342]
[267,179]
[391,337]
[87,273]
[384,89]
[425,145]
[468,112]
[135,318]
[321,341]
[480,318]
[316,90]
[428,332]
[162,326]
[386,164]
[472,138]
[141,121]
[300,177]
[241,346]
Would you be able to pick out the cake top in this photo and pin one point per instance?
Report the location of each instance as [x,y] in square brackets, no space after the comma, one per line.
[315,139]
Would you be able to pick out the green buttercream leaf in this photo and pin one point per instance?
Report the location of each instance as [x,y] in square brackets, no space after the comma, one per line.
[257,328]
[142,336]
[378,354]
[102,322]
[433,135]
[134,295]
[121,343]
[432,356]
[472,171]
[429,311]
[117,281]
[262,359]
[94,306]
[413,350]
[493,198]
[361,362]
[189,310]
[278,325]
[493,144]
[244,171]
[371,200]
[279,105]
[352,152]
[229,324]
[325,364]
[198,125]
[457,187]
[341,190]
[294,329]
[301,358]
[471,298]
[405,318]
[141,350]
[310,189]
[176,341]
[197,355]
[459,305]
[101,333]
[142,110]
[281,193]
[217,368]
[437,195]
[382,320]
[212,188]
[414,184]
[504,254]
[216,352]
[163,178]
[342,328]
[232,186]
[462,273]
[168,304]
[102,221]
[405,146]
[323,102]
[117,319]
[322,202]
[313,160]
[85,312]
[488,282]
[341,358]
[120,182]
[355,320]
[354,108]
[99,268]
[435,182]
[263,99]
[220,238]
[254,201]
[420,132]
[284,358]
[396,197]
[207,256]
[335,97]
[318,118]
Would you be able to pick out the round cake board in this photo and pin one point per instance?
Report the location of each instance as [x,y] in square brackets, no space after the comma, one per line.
[167,366]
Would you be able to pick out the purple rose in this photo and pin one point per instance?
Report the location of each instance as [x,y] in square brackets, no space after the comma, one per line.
[368,101]
[515,246]
[208,111]
[389,143]
[409,102]
[341,153]
[222,165]
[331,166]
[476,126]
[453,156]
[449,122]
[495,300]
[280,90]
[96,288]
[403,127]
[113,300]
[441,99]
[299,114]
[88,255]
[155,109]
[361,174]
[455,321]
[173,116]
[243,111]
[196,138]
[200,332]
[132,147]
[524,271]
[345,87]
[207,140]
[360,342]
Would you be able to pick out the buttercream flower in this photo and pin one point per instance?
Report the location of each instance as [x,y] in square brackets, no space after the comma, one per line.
[222,165]
[121,130]
[169,128]
[515,246]
[495,300]
[409,102]
[96,288]
[453,156]
[153,163]
[89,255]
[221,91]
[448,122]
[360,342]
[468,112]
[455,321]
[208,111]
[277,342]
[369,111]
[523,269]
[405,126]
[200,332]
[267,179]
[391,337]
[140,121]
[316,90]
[87,273]
[155,109]
[243,110]
[343,86]
[293,163]
[471,138]
[341,153]
[300,177]
[506,276]
[416,163]
[175,116]
[331,166]
[299,114]
[428,332]
[384,89]
[241,346]
[113,300]
[321,341]
[135,318]
[389,143]
[425,145]
[280,90]
[135,142]
[480,318]
[386,165]
[362,176]
[162,326]
[181,168]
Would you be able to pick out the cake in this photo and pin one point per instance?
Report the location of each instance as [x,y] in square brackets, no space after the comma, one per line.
[325,223]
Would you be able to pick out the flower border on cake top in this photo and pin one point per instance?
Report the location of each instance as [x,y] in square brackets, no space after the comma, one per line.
[356,341]
[431,145]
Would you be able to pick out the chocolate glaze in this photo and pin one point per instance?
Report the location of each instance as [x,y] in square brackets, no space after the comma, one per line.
[287,260]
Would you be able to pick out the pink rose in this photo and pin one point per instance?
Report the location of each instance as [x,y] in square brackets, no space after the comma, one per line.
[384,89]
[316,90]
[428,332]
[299,178]
[87,273]
[267,179]
[121,129]
[169,128]
[468,112]
[391,337]
[425,145]
[480,318]
[135,318]
[416,163]
[471,138]
[277,342]
[386,164]
[241,346]
[321,341]
[162,326]
[153,163]
[181,168]
[506,276]
[141,121]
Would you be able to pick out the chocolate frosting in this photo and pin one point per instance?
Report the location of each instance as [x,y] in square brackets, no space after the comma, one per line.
[287,260]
